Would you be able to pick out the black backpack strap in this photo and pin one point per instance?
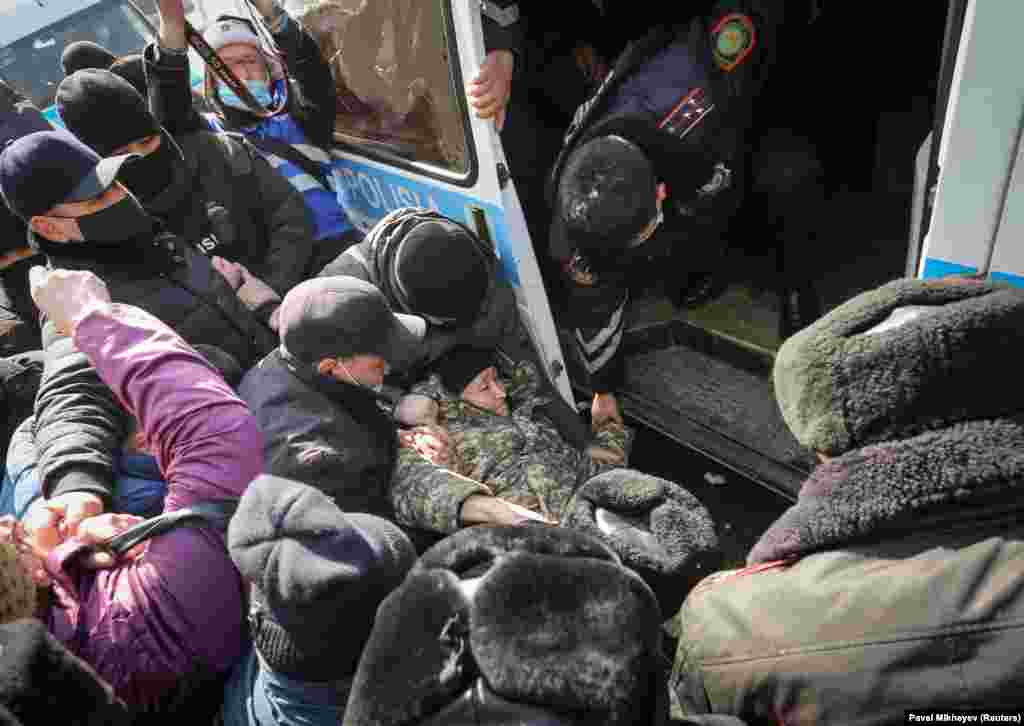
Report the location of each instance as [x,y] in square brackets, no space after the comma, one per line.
[211,513]
[290,153]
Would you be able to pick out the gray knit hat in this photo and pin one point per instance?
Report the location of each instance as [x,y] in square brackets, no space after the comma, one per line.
[910,356]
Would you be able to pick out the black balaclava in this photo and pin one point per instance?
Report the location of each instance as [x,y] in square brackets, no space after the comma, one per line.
[149,176]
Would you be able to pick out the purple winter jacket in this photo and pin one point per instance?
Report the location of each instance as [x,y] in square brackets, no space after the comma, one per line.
[145,624]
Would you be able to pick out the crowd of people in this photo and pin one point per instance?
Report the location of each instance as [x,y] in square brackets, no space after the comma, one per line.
[265,470]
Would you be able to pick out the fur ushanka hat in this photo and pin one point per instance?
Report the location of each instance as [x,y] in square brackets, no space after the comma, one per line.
[908,357]
[527,625]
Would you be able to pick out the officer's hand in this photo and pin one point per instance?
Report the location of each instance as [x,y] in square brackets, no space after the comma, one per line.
[172,24]
[604,408]
[490,90]
[66,296]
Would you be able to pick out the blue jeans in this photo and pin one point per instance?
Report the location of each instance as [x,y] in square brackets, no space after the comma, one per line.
[257,696]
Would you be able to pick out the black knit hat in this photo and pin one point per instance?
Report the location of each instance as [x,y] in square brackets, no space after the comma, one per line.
[103,110]
[41,682]
[440,271]
[132,68]
[85,54]
[317,575]
[459,366]
[541,619]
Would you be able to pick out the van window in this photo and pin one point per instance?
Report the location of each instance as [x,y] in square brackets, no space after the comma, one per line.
[398,95]
[31,63]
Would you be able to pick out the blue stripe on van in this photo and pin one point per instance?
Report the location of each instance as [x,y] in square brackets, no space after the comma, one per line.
[1016,280]
[941,268]
[373,192]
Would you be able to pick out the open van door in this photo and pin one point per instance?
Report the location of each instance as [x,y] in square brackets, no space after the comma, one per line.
[405,136]
[978,210]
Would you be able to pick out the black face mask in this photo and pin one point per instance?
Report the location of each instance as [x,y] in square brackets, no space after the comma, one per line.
[121,222]
[147,176]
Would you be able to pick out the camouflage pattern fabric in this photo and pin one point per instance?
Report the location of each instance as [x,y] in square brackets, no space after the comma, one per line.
[521,457]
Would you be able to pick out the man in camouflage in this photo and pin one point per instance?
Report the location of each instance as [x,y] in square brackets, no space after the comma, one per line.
[507,460]
[507,464]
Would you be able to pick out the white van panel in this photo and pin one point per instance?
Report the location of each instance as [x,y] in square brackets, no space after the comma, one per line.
[979,142]
[19,18]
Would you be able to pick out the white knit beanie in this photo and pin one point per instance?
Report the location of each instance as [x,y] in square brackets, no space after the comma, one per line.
[226,31]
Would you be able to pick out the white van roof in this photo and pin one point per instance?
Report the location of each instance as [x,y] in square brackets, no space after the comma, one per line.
[19,18]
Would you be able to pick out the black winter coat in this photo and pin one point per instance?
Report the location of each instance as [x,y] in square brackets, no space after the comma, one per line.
[253,214]
[79,423]
[325,433]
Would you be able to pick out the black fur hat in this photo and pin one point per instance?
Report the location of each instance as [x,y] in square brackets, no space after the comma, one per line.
[542,621]
[41,682]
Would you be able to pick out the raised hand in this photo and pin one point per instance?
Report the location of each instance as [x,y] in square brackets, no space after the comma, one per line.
[490,91]
[66,296]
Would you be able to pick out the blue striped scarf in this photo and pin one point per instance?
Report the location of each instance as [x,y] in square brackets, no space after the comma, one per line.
[327,206]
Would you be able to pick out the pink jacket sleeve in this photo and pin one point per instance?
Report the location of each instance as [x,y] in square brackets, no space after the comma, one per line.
[204,437]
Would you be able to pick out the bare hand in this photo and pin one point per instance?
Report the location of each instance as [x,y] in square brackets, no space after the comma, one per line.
[230,271]
[490,91]
[101,529]
[74,508]
[430,442]
[42,526]
[416,410]
[485,509]
[254,292]
[172,24]
[265,7]
[604,408]
[67,296]
[604,455]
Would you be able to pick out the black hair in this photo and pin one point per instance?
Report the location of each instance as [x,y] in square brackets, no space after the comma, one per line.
[606,196]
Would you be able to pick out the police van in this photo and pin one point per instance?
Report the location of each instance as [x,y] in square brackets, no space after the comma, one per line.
[34,33]
[701,375]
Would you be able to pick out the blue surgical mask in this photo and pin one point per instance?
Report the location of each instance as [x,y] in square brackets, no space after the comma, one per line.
[259,89]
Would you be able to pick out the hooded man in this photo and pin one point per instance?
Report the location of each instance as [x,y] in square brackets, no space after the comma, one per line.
[433,267]
[894,583]
[80,217]
[296,129]
[214,190]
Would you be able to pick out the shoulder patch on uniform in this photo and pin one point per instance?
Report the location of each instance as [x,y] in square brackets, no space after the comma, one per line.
[732,40]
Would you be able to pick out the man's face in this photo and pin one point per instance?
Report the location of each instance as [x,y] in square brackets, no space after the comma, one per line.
[366,370]
[60,223]
[487,392]
[245,61]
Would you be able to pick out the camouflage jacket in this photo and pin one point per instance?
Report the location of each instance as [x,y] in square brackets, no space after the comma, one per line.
[520,457]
